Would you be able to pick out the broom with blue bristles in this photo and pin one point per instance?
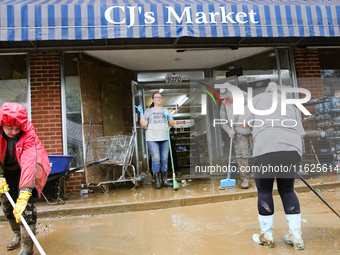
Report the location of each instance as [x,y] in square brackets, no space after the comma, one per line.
[229,182]
[175,183]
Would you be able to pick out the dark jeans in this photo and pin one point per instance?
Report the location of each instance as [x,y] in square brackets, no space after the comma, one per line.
[264,182]
[30,213]
[159,151]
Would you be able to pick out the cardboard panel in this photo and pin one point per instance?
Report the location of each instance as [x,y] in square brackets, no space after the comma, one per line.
[90,91]
[106,97]
[113,116]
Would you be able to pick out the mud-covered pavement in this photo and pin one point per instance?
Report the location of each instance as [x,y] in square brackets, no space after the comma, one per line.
[219,228]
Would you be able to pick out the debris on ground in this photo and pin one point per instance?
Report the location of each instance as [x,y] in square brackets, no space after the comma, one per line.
[43,229]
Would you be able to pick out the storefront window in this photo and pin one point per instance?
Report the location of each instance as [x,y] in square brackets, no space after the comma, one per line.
[330,71]
[73,109]
[258,70]
[13,80]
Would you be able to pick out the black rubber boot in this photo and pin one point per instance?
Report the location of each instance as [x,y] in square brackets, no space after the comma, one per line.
[157,180]
[165,182]
[15,242]
[27,242]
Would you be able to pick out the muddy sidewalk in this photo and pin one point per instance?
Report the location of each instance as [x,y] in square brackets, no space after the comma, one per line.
[218,228]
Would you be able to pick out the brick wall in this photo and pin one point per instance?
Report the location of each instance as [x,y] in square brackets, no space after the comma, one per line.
[73,183]
[309,77]
[308,74]
[308,71]
[46,107]
[46,100]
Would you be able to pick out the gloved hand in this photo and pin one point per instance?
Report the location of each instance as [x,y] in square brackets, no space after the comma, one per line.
[3,186]
[140,109]
[231,134]
[21,204]
[167,114]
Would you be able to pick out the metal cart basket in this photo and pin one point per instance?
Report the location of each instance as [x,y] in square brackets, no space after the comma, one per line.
[120,150]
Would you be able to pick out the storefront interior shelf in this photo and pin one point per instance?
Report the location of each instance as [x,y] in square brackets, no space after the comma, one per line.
[323,149]
[328,138]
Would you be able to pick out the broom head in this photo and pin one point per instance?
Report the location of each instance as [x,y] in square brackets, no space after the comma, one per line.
[228,183]
[176,186]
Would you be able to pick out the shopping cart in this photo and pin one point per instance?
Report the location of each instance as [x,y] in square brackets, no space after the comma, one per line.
[120,150]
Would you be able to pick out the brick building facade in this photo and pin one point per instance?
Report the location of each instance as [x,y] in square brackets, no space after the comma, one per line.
[45,84]
[26,27]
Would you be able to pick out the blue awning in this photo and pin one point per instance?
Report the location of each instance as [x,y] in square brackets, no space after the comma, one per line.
[34,20]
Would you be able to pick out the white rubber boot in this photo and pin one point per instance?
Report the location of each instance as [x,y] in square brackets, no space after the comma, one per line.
[266,236]
[294,236]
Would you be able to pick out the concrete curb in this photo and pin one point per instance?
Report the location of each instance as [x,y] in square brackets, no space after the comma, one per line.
[165,204]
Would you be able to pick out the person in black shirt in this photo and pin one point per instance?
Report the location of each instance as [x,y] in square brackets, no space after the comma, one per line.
[195,148]
[173,139]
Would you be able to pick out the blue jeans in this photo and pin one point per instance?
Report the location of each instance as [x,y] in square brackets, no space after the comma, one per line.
[159,154]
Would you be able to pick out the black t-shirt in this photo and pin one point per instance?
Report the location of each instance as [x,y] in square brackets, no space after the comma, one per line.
[173,142]
[11,162]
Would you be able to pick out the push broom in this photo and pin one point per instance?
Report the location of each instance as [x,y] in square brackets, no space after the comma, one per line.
[229,182]
[175,183]
[29,231]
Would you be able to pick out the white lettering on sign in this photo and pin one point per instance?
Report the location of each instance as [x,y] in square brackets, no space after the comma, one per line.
[108,17]
[180,122]
[185,16]
[184,123]
[172,13]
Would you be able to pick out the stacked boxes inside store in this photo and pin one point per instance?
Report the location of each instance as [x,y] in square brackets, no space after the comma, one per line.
[322,140]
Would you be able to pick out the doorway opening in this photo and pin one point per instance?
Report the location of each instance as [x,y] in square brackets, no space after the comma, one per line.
[173,73]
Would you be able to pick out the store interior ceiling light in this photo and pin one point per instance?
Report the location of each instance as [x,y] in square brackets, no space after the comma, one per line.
[183,101]
[160,90]
[173,111]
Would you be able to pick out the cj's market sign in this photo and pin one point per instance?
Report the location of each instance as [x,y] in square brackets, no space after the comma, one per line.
[115,15]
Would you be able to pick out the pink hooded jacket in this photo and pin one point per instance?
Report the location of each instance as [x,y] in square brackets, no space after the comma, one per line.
[30,152]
